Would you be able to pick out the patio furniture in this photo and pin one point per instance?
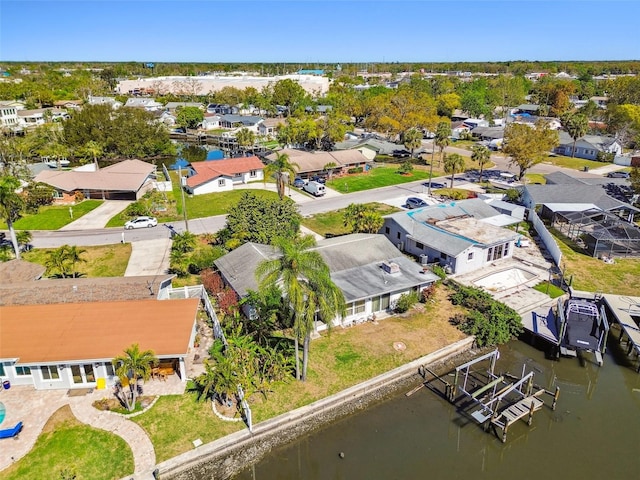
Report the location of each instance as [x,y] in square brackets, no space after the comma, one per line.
[11,432]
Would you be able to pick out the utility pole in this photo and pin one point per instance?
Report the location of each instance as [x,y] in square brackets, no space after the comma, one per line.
[433,150]
[184,205]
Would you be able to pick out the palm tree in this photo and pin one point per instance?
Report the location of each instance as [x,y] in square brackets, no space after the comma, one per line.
[482,155]
[132,366]
[11,206]
[283,170]
[94,149]
[245,137]
[443,134]
[412,139]
[24,238]
[64,260]
[453,164]
[576,126]
[305,282]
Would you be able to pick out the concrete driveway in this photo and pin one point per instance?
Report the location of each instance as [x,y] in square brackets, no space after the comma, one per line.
[98,217]
[149,257]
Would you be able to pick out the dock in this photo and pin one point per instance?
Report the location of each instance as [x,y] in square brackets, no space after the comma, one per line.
[625,312]
[493,401]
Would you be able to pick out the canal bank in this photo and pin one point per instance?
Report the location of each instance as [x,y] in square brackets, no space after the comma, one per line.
[227,456]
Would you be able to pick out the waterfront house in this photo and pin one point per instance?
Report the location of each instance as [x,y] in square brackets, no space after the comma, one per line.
[222,175]
[310,163]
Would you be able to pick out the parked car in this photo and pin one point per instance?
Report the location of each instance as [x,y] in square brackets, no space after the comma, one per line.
[415,202]
[433,185]
[319,178]
[298,182]
[314,188]
[141,222]
[618,174]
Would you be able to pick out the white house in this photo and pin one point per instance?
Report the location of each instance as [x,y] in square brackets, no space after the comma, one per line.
[40,116]
[461,236]
[115,104]
[149,104]
[8,115]
[588,146]
[269,127]
[371,273]
[211,122]
[222,175]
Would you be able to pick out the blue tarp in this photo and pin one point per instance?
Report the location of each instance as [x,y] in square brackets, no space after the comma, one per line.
[215,155]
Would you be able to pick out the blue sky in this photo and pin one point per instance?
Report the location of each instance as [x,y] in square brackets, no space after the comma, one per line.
[317,31]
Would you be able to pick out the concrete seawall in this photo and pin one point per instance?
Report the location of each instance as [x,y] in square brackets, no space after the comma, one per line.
[227,456]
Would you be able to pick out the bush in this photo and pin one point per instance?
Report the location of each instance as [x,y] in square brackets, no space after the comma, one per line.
[212,281]
[204,257]
[405,302]
[355,170]
[439,271]
[428,293]
[406,167]
[136,209]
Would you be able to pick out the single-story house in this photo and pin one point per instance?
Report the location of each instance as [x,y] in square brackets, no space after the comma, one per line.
[240,121]
[459,129]
[171,107]
[210,122]
[488,133]
[221,175]
[460,236]
[574,197]
[40,116]
[369,270]
[529,108]
[269,127]
[115,104]
[314,162]
[221,109]
[69,104]
[63,333]
[126,180]
[381,146]
[588,146]
[149,104]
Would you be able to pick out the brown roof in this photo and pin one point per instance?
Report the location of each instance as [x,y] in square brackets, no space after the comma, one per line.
[128,175]
[70,332]
[207,171]
[75,290]
[315,161]
[16,271]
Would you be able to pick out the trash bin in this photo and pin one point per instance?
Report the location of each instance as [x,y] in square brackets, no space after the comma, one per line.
[6,384]
[585,168]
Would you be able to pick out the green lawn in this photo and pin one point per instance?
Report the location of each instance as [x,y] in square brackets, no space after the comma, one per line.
[66,443]
[53,217]
[333,222]
[535,178]
[575,163]
[376,178]
[101,261]
[549,289]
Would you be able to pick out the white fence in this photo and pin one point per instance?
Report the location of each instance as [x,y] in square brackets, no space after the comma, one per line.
[545,236]
[198,291]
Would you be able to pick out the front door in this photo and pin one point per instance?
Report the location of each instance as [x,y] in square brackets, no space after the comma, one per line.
[83,373]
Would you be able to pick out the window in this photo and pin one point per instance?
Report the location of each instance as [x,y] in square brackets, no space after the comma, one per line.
[387,230]
[2,374]
[50,372]
[110,370]
[221,182]
[489,253]
[358,307]
[443,255]
[23,371]
[419,246]
[469,256]
[398,235]
[253,174]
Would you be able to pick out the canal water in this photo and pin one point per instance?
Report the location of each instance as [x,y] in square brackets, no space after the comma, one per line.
[593,433]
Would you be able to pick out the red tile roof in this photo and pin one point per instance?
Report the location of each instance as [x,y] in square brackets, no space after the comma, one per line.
[207,171]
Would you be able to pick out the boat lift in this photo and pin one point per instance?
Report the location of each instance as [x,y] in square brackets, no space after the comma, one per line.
[491,400]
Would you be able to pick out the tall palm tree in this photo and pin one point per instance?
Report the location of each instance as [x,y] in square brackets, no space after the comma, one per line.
[283,170]
[576,126]
[482,155]
[305,282]
[442,138]
[245,137]
[133,365]
[11,206]
[412,139]
[453,164]
[95,150]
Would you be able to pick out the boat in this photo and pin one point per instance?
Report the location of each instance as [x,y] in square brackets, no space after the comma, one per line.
[582,327]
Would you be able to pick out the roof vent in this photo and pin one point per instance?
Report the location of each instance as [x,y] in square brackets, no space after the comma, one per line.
[391,267]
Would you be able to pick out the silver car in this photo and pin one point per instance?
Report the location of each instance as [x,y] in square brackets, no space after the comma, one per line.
[141,222]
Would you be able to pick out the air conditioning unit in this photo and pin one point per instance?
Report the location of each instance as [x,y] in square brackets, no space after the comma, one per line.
[424,259]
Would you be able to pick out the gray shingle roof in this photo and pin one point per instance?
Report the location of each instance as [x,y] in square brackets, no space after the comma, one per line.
[574,194]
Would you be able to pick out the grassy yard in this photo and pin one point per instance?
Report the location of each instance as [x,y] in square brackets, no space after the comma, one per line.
[339,359]
[575,163]
[376,178]
[549,289]
[333,222]
[53,217]
[535,178]
[593,275]
[66,443]
[101,261]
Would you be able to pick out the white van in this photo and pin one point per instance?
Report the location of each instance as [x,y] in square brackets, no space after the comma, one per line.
[314,188]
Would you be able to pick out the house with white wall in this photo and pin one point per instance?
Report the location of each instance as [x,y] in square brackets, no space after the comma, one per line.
[221,175]
[461,236]
[588,146]
[111,101]
[369,270]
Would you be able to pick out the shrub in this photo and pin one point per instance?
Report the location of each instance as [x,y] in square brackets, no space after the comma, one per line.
[439,271]
[212,281]
[204,257]
[355,170]
[136,209]
[405,302]
[406,167]
[428,293]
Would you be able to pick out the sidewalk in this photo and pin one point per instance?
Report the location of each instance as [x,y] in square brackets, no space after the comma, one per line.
[98,217]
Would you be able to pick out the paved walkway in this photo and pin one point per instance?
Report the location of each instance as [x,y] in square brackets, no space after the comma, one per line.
[98,217]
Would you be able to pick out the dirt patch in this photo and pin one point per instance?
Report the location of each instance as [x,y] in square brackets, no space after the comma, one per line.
[61,417]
